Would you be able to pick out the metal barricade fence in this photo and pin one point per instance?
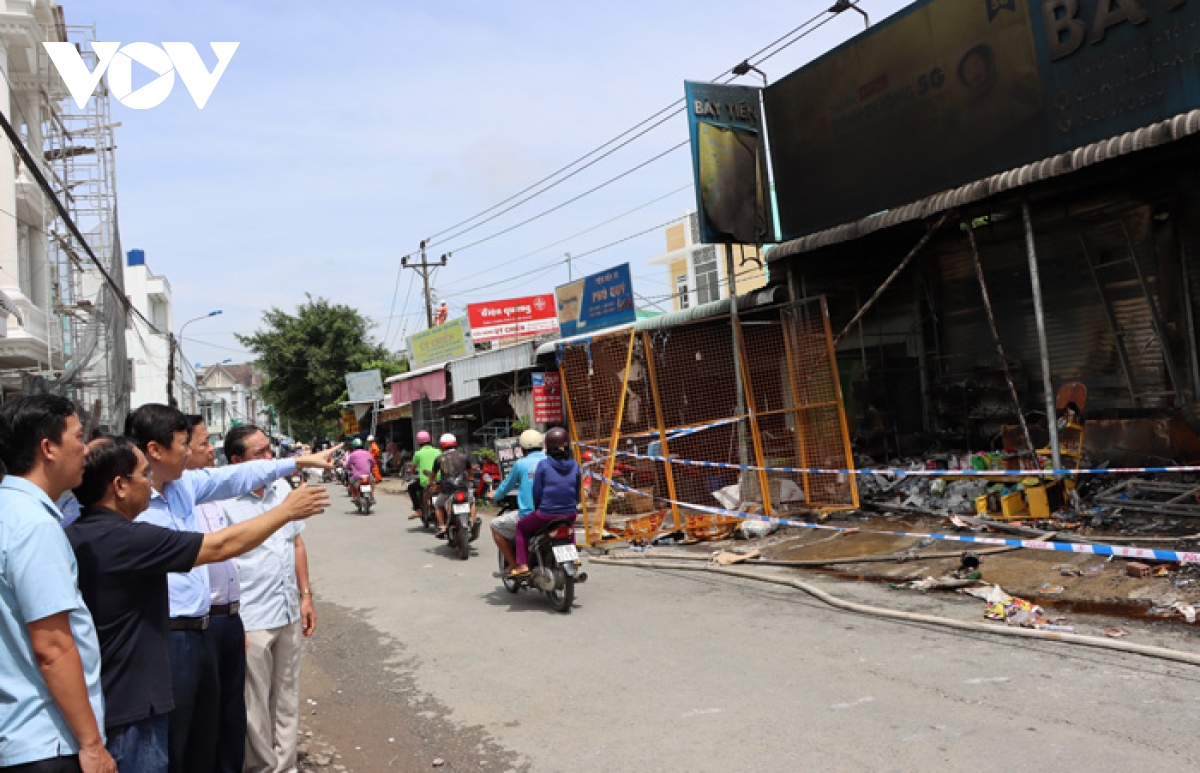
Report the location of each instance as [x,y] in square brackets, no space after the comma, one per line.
[705,414]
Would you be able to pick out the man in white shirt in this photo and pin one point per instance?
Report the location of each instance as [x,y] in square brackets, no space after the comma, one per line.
[276,610]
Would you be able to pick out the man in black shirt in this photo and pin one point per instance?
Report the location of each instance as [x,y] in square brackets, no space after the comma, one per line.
[123,570]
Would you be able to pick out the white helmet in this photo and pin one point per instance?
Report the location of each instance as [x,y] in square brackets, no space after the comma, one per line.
[448,441]
[370,438]
[531,440]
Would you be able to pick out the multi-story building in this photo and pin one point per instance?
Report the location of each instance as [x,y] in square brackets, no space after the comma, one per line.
[698,272]
[31,339]
[228,396]
[149,346]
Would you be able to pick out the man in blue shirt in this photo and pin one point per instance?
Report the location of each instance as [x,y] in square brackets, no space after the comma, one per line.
[504,528]
[162,433]
[53,709]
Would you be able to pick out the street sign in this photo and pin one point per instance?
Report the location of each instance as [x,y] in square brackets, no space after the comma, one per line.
[364,387]
[547,398]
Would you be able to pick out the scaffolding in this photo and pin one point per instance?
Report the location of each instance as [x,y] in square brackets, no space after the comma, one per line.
[79,152]
[680,421]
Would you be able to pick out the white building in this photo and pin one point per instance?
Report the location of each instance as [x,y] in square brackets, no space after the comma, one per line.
[228,396]
[31,337]
[148,347]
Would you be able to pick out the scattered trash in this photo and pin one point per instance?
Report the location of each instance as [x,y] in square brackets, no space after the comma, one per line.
[1070,571]
[1161,571]
[1185,609]
[1137,569]
[969,568]
[1115,633]
[753,529]
[728,558]
[438,762]
[1015,611]
[1052,591]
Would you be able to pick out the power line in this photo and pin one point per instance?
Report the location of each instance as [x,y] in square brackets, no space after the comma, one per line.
[672,110]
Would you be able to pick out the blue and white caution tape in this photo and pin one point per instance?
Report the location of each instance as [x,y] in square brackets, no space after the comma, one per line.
[901,473]
[675,433]
[1119,551]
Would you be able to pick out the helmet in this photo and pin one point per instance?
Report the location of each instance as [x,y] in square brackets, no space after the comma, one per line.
[357,442]
[531,440]
[588,456]
[557,441]
[370,438]
[423,437]
[448,441]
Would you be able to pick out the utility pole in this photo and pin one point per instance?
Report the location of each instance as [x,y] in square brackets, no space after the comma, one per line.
[424,267]
[171,401]
[570,273]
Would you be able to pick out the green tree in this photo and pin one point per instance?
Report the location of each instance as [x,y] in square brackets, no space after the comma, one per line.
[304,358]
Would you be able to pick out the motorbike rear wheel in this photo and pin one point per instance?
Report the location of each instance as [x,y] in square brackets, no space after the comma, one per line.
[562,598]
[464,541]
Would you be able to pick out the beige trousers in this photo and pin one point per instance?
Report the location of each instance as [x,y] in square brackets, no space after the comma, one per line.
[272,699]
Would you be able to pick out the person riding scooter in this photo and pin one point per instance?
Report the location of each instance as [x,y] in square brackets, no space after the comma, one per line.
[556,485]
[452,472]
[358,464]
[520,477]
[423,460]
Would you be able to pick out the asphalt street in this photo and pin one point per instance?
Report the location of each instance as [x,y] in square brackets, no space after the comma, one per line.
[658,670]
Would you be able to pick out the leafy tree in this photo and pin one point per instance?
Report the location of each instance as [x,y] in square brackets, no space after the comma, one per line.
[305,357]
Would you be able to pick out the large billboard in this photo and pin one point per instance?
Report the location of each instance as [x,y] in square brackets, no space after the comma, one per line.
[602,300]
[440,343]
[729,163]
[950,91]
[513,319]
[364,386]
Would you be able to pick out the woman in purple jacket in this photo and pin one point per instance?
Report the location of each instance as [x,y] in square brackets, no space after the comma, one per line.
[556,485]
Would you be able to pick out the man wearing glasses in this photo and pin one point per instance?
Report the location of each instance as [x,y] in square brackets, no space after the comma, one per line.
[123,569]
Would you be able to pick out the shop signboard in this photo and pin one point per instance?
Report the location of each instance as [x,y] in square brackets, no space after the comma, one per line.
[946,92]
[729,163]
[547,398]
[349,423]
[596,302]
[363,387]
[512,319]
[508,451]
[440,343]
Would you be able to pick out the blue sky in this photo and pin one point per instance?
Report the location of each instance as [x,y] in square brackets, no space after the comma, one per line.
[344,133]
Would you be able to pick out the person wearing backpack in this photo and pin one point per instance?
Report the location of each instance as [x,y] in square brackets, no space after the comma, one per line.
[453,472]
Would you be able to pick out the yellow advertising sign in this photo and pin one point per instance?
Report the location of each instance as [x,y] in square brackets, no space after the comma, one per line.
[440,343]
[349,423]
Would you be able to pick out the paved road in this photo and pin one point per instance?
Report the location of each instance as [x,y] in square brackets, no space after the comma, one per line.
[665,671]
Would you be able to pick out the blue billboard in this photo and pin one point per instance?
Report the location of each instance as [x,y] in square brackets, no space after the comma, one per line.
[596,302]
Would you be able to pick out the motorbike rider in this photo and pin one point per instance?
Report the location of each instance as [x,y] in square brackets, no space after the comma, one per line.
[423,460]
[504,527]
[377,455]
[556,485]
[358,464]
[452,471]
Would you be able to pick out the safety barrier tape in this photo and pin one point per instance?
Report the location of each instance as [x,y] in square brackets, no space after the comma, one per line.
[678,433]
[1096,549]
[901,473]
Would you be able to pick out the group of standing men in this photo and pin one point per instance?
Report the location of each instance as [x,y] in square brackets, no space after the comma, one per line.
[134,641]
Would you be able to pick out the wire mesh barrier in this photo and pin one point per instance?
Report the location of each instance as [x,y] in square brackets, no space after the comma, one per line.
[705,414]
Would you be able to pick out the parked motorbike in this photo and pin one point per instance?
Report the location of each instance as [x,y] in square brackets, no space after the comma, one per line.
[461,529]
[554,566]
[362,493]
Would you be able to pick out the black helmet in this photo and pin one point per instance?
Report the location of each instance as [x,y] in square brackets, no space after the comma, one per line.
[557,441]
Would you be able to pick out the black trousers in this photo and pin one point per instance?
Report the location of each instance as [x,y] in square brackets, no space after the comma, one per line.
[226,642]
[53,765]
[192,726]
[417,492]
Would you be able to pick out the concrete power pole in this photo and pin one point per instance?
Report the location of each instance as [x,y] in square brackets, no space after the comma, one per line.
[425,267]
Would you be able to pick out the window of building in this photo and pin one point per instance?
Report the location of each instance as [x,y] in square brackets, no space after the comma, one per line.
[704,267]
[681,290]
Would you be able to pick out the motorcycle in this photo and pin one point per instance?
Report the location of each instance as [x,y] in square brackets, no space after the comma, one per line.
[554,566]
[461,529]
[363,494]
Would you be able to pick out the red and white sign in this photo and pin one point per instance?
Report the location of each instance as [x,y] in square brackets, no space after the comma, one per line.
[547,398]
[512,319]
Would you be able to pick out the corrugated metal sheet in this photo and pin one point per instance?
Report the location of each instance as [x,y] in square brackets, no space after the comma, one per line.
[1151,136]
[466,373]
